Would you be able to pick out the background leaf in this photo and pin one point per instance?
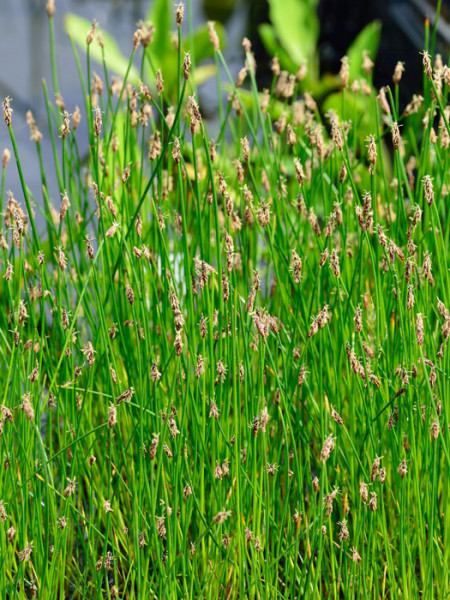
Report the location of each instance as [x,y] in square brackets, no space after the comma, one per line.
[161,15]
[367,39]
[269,39]
[77,28]
[297,26]
[202,48]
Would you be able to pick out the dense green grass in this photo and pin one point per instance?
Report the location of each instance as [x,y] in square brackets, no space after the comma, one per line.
[228,379]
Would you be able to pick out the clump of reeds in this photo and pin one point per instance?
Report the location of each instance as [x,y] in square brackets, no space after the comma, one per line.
[192,405]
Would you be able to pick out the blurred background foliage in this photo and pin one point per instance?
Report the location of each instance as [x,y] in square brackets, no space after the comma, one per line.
[317,33]
[291,35]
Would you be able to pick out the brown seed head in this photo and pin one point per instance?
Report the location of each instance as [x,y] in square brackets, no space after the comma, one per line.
[355,555]
[222,516]
[316,484]
[241,77]
[112,416]
[89,353]
[64,207]
[6,157]
[402,468]
[35,134]
[146,33]
[9,271]
[69,490]
[136,39]
[344,73]
[383,101]
[125,396]
[344,533]
[375,468]
[50,8]
[247,45]
[159,83]
[367,63]
[98,121]
[214,38]
[27,407]
[419,329]
[296,267]
[358,319]
[435,429]
[187,65]
[336,416]
[25,554]
[91,33]
[372,149]
[245,146]
[428,189]
[395,135]
[398,71]
[334,263]
[179,14]
[336,133]
[176,152]
[89,248]
[7,111]
[363,491]
[327,448]
[426,61]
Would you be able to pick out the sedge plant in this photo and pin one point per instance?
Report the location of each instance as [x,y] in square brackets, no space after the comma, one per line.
[224,363]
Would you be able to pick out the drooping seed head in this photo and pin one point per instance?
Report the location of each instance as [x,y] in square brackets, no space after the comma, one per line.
[126,396]
[336,416]
[69,490]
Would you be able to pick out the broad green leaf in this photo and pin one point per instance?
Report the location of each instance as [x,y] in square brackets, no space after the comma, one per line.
[168,63]
[161,15]
[276,107]
[297,26]
[268,36]
[327,84]
[359,108]
[367,39]
[202,47]
[77,28]
[201,74]
[269,39]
